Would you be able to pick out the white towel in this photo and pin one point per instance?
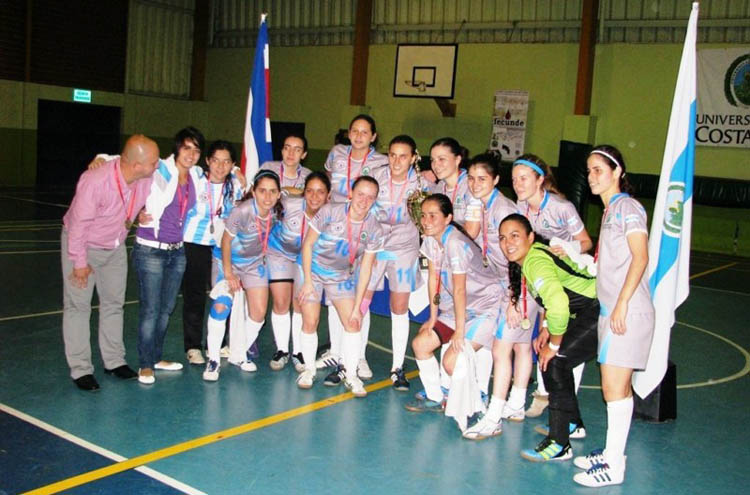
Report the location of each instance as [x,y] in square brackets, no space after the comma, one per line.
[237,347]
[419,299]
[464,398]
[573,250]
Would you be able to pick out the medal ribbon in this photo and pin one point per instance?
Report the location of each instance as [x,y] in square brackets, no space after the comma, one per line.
[352,252]
[182,197]
[486,209]
[349,170]
[213,212]
[604,219]
[523,296]
[400,197]
[129,209]
[258,225]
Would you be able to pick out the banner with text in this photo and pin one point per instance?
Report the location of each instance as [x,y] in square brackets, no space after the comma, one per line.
[723,116]
[509,123]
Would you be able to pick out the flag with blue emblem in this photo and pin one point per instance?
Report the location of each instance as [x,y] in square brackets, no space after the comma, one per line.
[256,147]
[669,242]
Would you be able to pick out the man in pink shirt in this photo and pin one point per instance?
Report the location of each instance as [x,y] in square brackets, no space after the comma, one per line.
[106,202]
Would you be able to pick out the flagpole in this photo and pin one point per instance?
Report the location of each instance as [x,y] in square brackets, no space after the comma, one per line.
[669,240]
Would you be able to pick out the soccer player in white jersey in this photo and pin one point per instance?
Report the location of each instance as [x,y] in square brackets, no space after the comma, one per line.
[244,265]
[511,350]
[290,169]
[283,254]
[626,321]
[399,260]
[337,256]
[344,165]
[216,194]
[550,216]
[464,297]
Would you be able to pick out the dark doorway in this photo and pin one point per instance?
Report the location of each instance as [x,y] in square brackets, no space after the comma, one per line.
[279,132]
[69,135]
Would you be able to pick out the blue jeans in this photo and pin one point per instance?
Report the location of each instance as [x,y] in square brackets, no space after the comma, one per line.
[159,277]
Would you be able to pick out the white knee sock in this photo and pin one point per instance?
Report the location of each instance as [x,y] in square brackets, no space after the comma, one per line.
[445,378]
[308,343]
[335,329]
[540,389]
[495,409]
[350,347]
[215,334]
[281,330]
[578,375]
[429,373]
[619,415]
[517,398]
[296,331]
[484,368]
[364,333]
[399,338]
[252,329]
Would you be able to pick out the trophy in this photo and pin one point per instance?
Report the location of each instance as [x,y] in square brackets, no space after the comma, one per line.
[414,201]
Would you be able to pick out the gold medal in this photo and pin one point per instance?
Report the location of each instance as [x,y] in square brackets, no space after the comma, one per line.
[128,224]
[264,260]
[525,324]
[211,229]
[485,261]
[436,300]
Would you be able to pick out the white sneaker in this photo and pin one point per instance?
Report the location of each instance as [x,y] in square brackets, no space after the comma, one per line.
[326,360]
[168,366]
[363,370]
[195,356]
[211,374]
[146,376]
[356,386]
[279,360]
[306,379]
[576,432]
[600,475]
[483,428]
[224,352]
[299,362]
[516,415]
[248,366]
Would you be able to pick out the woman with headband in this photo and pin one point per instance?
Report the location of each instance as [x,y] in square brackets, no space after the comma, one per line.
[626,321]
[283,253]
[511,349]
[551,216]
[463,296]
[563,290]
[244,266]
[337,256]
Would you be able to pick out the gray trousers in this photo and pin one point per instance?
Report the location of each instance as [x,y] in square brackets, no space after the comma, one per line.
[110,276]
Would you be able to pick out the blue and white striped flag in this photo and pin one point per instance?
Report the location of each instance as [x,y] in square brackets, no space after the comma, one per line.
[257,140]
[669,244]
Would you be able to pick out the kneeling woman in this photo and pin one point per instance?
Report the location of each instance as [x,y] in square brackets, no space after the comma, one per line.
[244,248]
[626,324]
[568,295]
[337,256]
[464,296]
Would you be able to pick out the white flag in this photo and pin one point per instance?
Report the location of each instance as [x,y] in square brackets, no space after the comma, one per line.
[669,242]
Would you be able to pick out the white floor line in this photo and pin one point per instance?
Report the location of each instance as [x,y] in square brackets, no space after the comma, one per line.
[163,478]
[34,201]
[725,291]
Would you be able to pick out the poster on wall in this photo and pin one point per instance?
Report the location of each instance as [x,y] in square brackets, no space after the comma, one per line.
[723,113]
[509,123]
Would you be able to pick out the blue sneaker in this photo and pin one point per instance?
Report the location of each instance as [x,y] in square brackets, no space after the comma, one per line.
[577,432]
[548,450]
[425,405]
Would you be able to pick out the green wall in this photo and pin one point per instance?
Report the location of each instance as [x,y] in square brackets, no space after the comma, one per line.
[631,102]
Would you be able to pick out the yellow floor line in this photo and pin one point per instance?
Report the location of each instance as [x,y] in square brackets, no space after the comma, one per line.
[202,441]
[712,270]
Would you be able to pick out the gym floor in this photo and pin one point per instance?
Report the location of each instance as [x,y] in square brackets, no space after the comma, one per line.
[258,433]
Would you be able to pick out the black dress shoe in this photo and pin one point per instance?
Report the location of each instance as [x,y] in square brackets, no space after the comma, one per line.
[87,383]
[123,372]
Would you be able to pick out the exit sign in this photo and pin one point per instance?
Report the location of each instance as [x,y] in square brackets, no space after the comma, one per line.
[82,95]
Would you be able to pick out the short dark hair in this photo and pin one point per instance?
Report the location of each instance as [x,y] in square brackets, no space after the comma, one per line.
[191,134]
